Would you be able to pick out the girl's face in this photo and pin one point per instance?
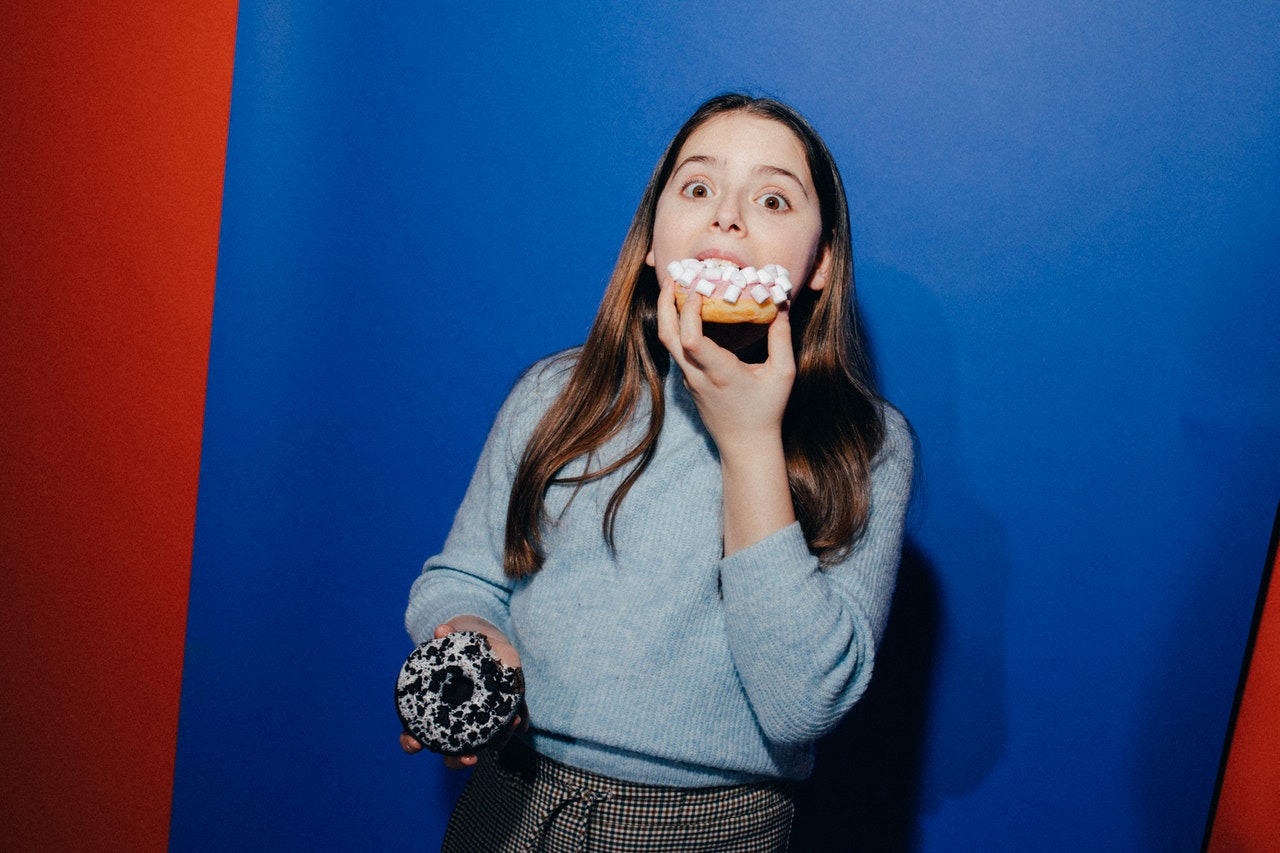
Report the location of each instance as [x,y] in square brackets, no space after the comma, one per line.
[741,190]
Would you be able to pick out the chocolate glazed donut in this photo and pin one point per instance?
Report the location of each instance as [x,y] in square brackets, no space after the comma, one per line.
[455,696]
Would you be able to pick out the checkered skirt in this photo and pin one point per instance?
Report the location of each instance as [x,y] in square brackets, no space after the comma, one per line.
[520,802]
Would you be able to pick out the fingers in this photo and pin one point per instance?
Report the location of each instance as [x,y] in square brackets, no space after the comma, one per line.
[691,325]
[458,762]
[781,356]
[669,320]
[520,723]
[412,746]
[444,630]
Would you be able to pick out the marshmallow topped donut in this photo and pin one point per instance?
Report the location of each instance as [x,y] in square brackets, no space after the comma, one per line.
[731,294]
[455,696]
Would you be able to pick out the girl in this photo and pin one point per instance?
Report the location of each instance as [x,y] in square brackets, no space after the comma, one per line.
[686,534]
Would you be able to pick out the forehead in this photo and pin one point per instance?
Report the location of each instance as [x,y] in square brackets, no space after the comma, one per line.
[742,139]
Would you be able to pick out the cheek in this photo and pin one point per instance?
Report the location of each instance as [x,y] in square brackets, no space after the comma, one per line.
[796,250]
[667,233]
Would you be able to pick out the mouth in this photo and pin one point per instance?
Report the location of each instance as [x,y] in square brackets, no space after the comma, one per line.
[721,255]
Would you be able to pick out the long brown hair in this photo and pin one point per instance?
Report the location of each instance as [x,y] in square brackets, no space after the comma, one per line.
[832,426]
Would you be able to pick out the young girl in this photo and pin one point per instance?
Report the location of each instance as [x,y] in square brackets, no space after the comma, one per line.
[686,534]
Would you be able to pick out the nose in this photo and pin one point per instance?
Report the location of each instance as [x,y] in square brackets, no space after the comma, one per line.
[728,214]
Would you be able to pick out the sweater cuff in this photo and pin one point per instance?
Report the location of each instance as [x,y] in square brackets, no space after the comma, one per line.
[779,556]
[441,594]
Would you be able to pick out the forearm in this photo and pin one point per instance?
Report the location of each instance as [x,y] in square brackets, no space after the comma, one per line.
[803,637]
[757,495]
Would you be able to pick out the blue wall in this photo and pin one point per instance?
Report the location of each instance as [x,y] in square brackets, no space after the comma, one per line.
[1067,225]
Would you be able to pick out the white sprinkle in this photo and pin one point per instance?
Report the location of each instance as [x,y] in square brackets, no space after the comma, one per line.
[760,294]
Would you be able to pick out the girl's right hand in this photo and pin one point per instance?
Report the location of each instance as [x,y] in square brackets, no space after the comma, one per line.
[507,654]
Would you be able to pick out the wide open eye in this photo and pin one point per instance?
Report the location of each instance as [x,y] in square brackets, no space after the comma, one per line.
[773,201]
[695,189]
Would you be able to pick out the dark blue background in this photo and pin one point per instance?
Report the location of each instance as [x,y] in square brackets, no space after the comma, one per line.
[1067,226]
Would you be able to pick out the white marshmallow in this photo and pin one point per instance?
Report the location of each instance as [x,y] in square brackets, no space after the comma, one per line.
[705,287]
[687,276]
[781,271]
[784,283]
[760,294]
[777,294]
[731,293]
[712,273]
[765,275]
[750,274]
[675,268]
[736,277]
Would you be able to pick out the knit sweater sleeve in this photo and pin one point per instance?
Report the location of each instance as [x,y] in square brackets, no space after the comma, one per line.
[466,577]
[803,638]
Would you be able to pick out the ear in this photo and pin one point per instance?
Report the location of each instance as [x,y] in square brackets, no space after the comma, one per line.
[649,258]
[818,280]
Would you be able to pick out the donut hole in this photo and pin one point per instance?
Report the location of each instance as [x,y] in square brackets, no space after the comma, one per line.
[454,685]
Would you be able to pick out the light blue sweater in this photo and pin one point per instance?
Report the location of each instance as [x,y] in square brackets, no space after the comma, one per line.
[666,663]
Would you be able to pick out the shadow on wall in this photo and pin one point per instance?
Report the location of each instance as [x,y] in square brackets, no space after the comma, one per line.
[933,722]
[865,792]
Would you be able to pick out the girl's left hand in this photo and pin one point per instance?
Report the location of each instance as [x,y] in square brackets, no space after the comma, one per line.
[741,404]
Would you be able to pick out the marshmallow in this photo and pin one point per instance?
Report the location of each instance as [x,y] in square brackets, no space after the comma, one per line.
[712,273]
[750,274]
[765,275]
[675,268]
[731,293]
[736,277]
[760,294]
[687,276]
[705,287]
[777,294]
[784,283]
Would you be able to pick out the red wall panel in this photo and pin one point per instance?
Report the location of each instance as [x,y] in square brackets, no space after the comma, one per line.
[112,146]
[1246,818]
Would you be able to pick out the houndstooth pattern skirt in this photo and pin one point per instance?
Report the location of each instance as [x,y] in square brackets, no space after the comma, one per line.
[520,802]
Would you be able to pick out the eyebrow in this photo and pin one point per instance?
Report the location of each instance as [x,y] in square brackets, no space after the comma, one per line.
[763,169]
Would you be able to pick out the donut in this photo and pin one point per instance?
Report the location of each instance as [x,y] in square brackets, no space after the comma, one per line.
[455,696]
[731,294]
